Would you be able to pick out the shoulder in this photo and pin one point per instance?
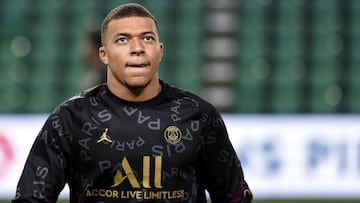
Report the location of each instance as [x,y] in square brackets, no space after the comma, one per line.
[183,97]
[84,97]
[188,103]
[80,102]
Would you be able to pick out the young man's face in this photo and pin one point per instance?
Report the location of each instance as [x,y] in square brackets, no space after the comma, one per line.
[132,50]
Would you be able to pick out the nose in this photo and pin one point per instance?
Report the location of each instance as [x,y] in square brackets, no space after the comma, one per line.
[136,47]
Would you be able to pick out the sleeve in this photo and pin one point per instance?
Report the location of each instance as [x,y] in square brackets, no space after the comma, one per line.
[44,173]
[220,169]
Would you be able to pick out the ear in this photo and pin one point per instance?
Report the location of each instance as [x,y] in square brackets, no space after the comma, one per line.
[103,55]
[161,47]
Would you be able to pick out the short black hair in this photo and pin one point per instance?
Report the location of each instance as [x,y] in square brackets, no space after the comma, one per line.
[123,11]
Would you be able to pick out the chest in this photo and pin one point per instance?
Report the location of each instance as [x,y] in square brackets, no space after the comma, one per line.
[105,138]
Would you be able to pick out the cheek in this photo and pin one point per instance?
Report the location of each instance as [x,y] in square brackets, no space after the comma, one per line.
[116,59]
[157,56]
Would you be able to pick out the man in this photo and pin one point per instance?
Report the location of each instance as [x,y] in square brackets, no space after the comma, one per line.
[96,73]
[135,138]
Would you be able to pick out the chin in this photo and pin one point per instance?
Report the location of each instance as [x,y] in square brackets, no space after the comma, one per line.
[138,84]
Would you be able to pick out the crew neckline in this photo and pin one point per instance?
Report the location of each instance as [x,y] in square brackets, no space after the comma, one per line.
[155,100]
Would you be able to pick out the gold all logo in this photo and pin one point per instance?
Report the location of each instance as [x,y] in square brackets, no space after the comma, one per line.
[130,176]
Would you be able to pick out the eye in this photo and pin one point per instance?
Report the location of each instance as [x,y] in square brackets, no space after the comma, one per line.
[149,38]
[122,40]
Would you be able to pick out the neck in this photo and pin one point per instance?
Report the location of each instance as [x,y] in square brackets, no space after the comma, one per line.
[135,94]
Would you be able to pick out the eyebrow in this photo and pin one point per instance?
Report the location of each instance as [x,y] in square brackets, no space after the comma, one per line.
[130,34]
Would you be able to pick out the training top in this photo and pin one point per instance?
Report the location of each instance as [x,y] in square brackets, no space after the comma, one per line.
[169,149]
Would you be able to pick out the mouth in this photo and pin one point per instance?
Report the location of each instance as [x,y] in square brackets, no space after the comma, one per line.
[137,65]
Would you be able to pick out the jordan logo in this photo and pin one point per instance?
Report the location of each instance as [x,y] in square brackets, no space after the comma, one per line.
[105,137]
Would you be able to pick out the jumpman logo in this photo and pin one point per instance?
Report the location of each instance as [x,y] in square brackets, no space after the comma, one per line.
[105,137]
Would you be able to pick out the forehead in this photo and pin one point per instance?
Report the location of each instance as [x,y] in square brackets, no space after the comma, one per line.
[132,25]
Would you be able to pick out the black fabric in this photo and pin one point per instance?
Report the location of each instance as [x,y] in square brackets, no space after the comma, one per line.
[167,149]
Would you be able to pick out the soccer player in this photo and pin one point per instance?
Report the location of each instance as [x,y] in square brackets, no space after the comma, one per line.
[96,72]
[136,138]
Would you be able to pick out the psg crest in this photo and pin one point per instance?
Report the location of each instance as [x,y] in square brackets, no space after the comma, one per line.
[172,134]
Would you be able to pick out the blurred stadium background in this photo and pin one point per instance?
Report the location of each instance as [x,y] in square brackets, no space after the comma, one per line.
[244,56]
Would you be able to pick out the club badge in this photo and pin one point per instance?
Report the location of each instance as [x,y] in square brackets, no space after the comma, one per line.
[172,134]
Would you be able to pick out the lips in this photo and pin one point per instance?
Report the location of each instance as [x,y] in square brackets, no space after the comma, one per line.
[138,65]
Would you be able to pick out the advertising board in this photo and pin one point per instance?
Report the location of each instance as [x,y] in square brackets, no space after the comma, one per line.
[283,156]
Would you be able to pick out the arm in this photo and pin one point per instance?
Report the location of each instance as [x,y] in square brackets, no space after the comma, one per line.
[43,176]
[220,169]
